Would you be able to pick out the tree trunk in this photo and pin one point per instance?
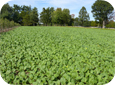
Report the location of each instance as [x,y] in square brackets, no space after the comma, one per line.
[103,24]
[98,25]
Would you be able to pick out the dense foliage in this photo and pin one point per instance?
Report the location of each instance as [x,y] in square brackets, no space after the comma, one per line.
[6,24]
[84,17]
[111,24]
[66,55]
[27,16]
[6,12]
[45,16]
[93,24]
[24,15]
[101,9]
[61,17]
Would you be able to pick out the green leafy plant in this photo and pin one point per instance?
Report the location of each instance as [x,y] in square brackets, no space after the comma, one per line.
[57,55]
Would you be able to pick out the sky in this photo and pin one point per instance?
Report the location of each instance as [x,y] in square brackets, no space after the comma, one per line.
[73,5]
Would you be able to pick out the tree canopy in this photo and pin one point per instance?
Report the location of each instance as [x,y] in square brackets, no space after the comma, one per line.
[45,15]
[23,15]
[6,12]
[61,17]
[27,16]
[101,10]
[83,17]
[34,16]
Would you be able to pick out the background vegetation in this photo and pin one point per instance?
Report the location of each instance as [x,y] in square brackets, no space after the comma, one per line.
[5,24]
[102,11]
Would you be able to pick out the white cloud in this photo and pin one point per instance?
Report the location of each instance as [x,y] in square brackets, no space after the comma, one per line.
[3,2]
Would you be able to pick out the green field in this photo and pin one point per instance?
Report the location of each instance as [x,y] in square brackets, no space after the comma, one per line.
[57,56]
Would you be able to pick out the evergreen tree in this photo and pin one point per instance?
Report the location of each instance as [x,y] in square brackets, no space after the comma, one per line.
[83,17]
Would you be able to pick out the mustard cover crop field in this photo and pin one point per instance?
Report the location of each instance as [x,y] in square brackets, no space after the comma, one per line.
[57,56]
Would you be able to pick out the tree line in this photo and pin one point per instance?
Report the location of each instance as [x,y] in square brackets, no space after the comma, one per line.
[27,16]
[24,15]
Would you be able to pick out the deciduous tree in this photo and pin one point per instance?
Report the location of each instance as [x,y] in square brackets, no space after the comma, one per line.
[101,9]
[16,13]
[6,12]
[66,16]
[34,16]
[45,15]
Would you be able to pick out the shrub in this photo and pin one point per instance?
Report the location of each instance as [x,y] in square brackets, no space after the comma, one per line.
[6,24]
[111,24]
